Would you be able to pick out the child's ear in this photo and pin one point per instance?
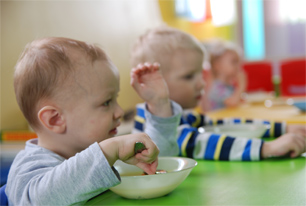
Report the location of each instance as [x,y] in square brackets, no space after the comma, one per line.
[52,119]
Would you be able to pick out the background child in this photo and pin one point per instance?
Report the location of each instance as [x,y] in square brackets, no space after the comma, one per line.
[67,90]
[180,56]
[228,80]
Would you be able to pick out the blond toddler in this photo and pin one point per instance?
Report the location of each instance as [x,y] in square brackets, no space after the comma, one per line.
[67,90]
[227,79]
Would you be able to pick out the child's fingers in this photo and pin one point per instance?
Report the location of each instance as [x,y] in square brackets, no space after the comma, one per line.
[134,79]
[148,66]
[145,68]
[146,156]
[299,145]
[148,168]
[156,65]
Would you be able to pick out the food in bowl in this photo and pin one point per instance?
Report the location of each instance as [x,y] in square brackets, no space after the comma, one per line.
[135,185]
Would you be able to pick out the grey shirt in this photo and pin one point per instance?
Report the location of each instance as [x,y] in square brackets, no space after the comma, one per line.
[41,177]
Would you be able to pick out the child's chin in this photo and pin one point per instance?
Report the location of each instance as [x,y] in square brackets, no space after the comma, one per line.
[190,105]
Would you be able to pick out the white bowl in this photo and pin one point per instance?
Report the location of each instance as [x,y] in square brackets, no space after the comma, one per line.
[248,130]
[134,185]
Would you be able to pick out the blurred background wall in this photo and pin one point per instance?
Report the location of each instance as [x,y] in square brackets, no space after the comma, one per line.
[115,24]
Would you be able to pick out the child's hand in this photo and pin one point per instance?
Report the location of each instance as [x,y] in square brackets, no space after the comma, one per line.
[150,85]
[297,129]
[122,147]
[235,98]
[287,144]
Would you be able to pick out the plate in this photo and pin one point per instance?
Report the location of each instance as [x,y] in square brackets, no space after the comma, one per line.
[248,130]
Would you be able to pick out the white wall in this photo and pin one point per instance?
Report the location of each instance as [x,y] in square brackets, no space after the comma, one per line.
[113,24]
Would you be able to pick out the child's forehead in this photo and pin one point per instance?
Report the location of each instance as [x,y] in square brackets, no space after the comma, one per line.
[182,61]
[187,55]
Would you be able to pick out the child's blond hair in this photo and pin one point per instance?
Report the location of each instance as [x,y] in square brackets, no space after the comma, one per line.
[218,47]
[44,67]
[160,43]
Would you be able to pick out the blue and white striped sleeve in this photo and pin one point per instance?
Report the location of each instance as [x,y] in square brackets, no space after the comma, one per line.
[211,146]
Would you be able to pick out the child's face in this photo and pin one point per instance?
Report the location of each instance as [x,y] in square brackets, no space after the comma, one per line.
[184,78]
[227,66]
[93,114]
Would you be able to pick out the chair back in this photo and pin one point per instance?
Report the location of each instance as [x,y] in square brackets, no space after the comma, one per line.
[3,197]
[259,76]
[293,77]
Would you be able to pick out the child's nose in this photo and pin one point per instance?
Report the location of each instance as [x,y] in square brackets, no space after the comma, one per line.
[118,112]
[200,83]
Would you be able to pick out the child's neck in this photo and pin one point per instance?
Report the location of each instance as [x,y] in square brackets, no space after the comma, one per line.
[55,145]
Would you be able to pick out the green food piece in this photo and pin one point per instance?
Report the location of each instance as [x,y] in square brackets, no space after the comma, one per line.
[139,147]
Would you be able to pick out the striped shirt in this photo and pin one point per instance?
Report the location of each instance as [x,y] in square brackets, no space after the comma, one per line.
[191,142]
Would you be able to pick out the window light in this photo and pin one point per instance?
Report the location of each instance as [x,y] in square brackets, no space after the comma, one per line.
[292,10]
[223,12]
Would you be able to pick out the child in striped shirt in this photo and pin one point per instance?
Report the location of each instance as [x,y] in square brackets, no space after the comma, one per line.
[181,58]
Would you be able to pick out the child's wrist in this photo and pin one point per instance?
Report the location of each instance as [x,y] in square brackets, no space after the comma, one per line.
[160,108]
[265,150]
[110,150]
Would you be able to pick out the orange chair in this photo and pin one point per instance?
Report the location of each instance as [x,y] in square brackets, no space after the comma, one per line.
[293,77]
[259,76]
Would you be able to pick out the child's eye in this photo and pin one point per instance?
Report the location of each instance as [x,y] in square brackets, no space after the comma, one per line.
[189,76]
[107,103]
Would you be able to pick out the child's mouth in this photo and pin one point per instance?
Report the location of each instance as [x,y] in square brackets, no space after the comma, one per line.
[113,131]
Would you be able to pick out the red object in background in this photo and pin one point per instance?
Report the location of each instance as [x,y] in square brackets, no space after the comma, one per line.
[259,76]
[293,77]
[206,74]
[208,10]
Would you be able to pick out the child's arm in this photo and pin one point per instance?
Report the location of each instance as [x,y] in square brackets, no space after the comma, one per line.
[148,82]
[159,117]
[288,144]
[41,177]
[204,146]
[235,98]
[222,147]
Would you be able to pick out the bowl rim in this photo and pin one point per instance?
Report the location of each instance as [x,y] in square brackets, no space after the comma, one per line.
[237,124]
[173,171]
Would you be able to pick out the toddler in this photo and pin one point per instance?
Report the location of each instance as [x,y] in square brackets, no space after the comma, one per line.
[228,80]
[180,56]
[67,90]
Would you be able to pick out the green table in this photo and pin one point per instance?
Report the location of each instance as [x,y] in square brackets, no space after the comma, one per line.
[268,182]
